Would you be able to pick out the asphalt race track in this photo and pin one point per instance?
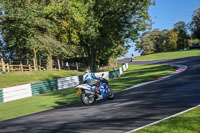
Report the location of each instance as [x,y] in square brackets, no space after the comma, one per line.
[129,110]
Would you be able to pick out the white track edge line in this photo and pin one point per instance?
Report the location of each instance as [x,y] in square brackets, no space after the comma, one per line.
[161,78]
[76,102]
[164,119]
[164,77]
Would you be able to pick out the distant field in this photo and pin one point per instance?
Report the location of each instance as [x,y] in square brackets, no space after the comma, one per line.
[170,55]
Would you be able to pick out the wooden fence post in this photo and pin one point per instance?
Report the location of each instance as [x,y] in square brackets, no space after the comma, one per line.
[29,67]
[76,66]
[27,62]
[40,61]
[12,69]
[21,66]
[8,69]
[39,68]
[10,61]
[3,65]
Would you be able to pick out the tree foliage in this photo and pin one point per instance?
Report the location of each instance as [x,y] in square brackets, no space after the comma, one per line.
[157,41]
[93,29]
[195,24]
[26,31]
[183,37]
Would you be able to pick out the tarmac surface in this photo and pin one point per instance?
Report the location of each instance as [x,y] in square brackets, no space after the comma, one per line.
[129,110]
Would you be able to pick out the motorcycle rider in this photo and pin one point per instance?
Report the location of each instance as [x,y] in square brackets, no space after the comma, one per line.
[89,78]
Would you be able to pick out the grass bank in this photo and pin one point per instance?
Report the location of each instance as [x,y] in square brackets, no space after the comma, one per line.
[170,55]
[134,75]
[185,123]
[20,78]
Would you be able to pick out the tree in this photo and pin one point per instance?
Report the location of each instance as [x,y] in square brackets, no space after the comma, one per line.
[172,40]
[153,42]
[194,43]
[27,32]
[195,24]
[181,28]
[100,28]
[97,30]
[145,45]
[20,27]
[1,54]
[157,41]
[111,24]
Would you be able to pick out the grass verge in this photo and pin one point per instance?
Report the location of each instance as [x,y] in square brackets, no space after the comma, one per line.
[110,68]
[170,55]
[184,123]
[19,78]
[134,75]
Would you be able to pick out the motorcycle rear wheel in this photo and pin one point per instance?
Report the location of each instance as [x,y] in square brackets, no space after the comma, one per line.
[87,99]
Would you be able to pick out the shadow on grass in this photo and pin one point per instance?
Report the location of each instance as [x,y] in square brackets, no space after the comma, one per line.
[64,97]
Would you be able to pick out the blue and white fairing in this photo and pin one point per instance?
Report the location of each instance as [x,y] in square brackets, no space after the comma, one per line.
[85,86]
[104,90]
[89,77]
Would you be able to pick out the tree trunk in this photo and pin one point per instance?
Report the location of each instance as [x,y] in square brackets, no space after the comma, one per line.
[3,64]
[90,52]
[35,59]
[49,62]
[2,61]
[58,64]
[92,60]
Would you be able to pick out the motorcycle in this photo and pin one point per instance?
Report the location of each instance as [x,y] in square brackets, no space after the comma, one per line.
[90,93]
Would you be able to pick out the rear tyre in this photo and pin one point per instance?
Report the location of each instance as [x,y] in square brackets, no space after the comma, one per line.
[110,94]
[87,99]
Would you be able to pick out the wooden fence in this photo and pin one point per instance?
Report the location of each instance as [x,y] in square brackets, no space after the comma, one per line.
[20,67]
[8,65]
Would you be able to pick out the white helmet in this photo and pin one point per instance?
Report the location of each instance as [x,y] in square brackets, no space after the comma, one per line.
[87,71]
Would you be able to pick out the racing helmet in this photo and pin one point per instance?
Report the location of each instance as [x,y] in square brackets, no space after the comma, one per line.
[87,71]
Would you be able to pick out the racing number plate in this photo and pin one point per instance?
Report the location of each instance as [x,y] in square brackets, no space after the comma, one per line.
[78,91]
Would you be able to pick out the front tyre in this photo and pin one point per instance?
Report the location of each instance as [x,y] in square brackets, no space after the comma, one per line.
[110,94]
[87,99]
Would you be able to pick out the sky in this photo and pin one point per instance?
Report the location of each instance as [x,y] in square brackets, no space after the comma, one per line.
[165,13]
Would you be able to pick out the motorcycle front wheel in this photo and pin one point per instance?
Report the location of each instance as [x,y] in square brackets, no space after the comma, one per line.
[110,94]
[87,99]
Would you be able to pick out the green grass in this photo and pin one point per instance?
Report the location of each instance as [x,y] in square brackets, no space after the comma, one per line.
[138,74]
[110,68]
[134,75]
[185,123]
[170,55]
[19,78]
